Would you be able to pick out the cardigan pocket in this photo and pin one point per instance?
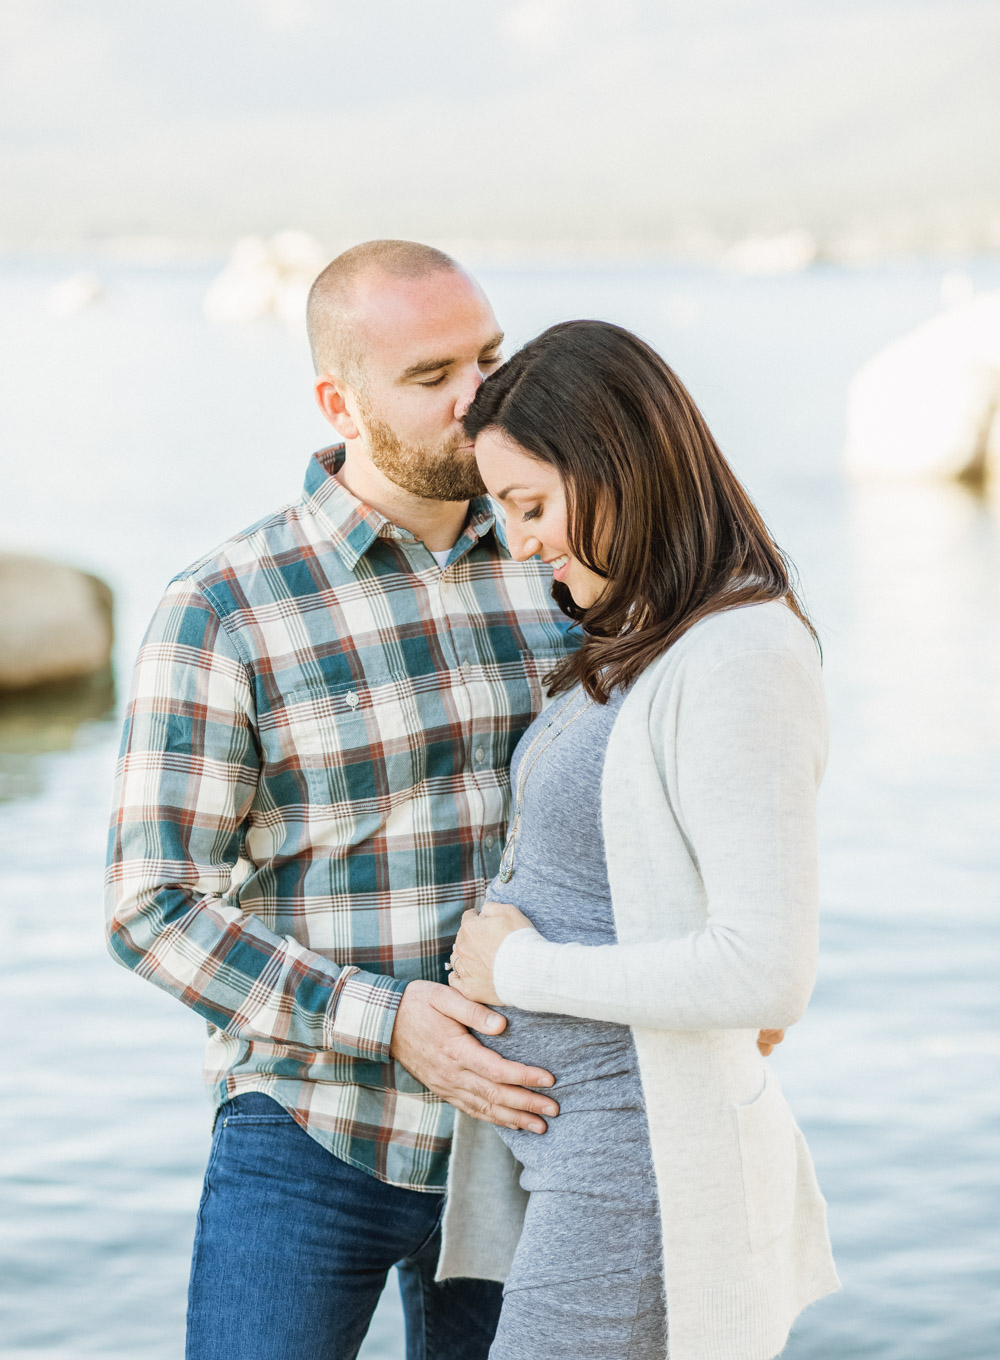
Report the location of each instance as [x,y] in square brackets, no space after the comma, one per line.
[769,1163]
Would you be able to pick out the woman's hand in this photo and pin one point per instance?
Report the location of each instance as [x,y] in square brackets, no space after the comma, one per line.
[476,948]
[767,1039]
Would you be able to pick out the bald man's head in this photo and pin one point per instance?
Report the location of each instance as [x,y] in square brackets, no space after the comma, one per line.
[335,335]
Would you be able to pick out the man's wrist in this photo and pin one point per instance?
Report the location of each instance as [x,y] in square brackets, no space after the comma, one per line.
[362,1013]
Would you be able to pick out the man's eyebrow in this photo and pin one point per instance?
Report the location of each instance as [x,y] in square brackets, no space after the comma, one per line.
[433,365]
[425,366]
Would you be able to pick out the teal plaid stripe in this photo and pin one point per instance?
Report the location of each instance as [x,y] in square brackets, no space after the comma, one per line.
[312,788]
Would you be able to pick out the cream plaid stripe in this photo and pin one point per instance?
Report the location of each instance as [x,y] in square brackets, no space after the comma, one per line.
[312,788]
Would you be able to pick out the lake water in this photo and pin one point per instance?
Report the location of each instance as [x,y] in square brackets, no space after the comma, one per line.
[134,435]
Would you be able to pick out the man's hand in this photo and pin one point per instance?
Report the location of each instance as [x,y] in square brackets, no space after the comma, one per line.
[431,1039]
[767,1039]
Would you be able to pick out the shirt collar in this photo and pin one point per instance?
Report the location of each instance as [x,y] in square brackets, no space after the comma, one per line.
[353,526]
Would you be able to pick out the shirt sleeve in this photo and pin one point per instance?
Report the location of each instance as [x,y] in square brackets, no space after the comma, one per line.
[747,757]
[185,785]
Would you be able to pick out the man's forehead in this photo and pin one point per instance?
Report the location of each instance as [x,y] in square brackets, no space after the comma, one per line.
[406,321]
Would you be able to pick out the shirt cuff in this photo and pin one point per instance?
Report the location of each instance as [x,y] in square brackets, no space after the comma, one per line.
[523,970]
[361,1014]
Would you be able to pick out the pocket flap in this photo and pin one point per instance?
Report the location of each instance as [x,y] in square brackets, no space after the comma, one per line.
[769,1163]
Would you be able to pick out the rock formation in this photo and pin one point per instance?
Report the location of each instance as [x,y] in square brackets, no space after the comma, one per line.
[928,405]
[55,623]
[266,278]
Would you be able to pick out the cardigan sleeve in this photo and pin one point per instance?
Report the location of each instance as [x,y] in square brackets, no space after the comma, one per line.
[741,762]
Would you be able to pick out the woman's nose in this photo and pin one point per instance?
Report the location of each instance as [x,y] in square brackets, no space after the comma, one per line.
[521,545]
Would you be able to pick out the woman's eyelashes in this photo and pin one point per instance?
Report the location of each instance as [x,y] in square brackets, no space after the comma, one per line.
[531,514]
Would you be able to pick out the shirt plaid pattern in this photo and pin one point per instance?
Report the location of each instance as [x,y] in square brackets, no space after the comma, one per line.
[313,786]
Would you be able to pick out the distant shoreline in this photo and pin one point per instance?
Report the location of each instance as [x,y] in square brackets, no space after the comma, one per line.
[758,253]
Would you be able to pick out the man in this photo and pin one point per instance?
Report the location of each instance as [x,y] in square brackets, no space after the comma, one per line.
[313,788]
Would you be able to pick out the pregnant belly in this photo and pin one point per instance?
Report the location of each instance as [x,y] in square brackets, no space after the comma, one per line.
[598,1144]
[580,1054]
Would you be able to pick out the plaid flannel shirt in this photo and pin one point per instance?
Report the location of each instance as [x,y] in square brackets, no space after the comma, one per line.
[313,786]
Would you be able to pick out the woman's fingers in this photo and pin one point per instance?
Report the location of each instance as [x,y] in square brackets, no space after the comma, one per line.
[512,916]
[470,991]
[767,1039]
[474,989]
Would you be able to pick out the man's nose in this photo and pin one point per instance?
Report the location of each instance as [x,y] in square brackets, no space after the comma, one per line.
[468,392]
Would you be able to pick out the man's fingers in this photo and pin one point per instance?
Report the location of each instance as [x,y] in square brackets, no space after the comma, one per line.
[508,1119]
[513,1098]
[485,1065]
[433,1040]
[507,1073]
[492,1109]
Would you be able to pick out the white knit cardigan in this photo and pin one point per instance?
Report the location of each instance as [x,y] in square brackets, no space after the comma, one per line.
[709,813]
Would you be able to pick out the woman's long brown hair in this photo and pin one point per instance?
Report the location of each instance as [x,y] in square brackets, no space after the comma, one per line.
[653,505]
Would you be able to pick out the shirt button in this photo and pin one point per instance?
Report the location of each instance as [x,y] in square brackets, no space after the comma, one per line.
[489,842]
[480,754]
[351,699]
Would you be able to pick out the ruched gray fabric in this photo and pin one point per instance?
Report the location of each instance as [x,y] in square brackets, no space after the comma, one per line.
[587,1278]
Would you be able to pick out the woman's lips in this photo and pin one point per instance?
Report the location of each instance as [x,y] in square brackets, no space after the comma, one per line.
[559,573]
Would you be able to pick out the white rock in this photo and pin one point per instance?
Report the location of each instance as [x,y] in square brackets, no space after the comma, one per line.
[928,405]
[266,278]
[297,252]
[74,293]
[244,290]
[787,253]
[55,622]
[956,288]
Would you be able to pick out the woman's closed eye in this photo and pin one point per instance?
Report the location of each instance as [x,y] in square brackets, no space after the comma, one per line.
[532,514]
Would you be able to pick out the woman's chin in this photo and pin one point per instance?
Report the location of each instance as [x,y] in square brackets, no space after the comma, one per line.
[583,595]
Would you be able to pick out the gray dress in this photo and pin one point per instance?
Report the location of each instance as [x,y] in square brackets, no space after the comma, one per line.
[587,1278]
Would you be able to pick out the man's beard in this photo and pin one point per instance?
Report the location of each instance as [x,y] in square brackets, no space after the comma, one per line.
[448,473]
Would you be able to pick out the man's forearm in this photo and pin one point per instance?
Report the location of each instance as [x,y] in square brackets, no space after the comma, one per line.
[228,967]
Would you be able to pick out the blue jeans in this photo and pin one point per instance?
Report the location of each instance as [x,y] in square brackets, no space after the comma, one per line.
[293,1247]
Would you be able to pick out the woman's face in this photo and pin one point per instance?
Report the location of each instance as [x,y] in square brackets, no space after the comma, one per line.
[533,497]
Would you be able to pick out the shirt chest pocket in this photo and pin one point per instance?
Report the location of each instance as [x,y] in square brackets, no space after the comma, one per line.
[353,741]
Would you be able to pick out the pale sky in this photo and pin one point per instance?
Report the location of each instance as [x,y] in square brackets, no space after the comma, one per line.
[526,119]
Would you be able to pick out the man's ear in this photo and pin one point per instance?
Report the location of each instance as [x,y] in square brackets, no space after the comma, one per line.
[332,398]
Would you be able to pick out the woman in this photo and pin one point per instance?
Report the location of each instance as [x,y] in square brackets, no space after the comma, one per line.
[656,900]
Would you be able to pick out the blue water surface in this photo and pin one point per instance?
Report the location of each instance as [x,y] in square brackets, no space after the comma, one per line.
[134,435]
